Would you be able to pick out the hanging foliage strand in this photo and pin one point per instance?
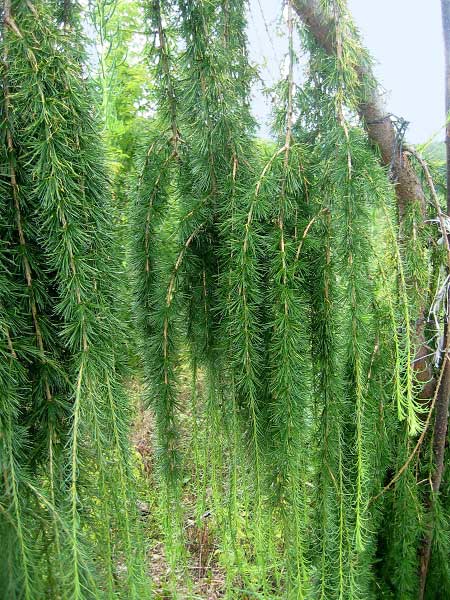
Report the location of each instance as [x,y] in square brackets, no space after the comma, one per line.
[291,276]
[67,500]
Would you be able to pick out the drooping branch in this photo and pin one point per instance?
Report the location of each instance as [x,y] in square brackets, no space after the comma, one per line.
[410,193]
[381,132]
[376,118]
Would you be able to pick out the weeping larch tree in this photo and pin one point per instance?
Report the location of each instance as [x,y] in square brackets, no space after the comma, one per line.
[300,283]
[67,509]
[307,279]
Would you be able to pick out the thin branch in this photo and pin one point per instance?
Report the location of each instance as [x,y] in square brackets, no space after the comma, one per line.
[435,198]
[15,193]
[421,438]
[306,231]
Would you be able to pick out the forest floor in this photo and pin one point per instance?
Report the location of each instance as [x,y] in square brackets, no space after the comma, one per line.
[200,577]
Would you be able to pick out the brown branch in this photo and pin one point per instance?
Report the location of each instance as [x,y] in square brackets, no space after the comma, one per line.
[169,296]
[442,404]
[150,207]
[434,196]
[166,69]
[306,231]
[287,144]
[421,438]
[439,442]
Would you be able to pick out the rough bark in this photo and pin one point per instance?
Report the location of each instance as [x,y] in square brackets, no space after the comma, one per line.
[442,404]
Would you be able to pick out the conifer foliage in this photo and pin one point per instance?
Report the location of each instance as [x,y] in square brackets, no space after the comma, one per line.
[67,518]
[284,271]
[281,274]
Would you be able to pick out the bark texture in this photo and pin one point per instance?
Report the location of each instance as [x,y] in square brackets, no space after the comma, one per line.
[442,404]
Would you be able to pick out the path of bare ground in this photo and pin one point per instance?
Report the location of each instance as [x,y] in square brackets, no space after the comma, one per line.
[205,579]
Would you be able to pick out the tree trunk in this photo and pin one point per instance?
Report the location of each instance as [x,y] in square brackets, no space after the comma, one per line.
[442,404]
[442,412]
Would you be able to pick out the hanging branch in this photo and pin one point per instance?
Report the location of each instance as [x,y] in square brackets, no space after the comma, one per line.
[12,469]
[289,372]
[353,257]
[159,173]
[410,193]
[376,118]
[381,131]
[9,22]
[63,246]
[167,74]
